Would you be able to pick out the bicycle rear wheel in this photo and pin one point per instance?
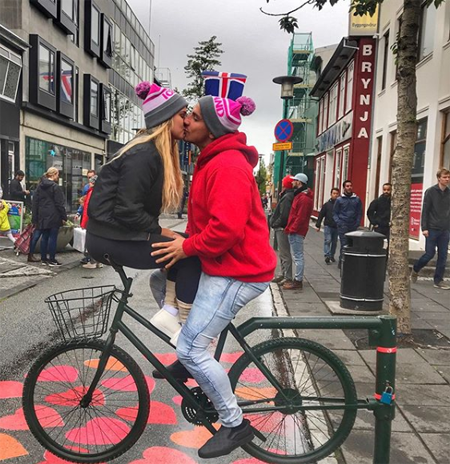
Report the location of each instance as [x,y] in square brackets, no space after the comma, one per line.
[313,414]
[100,431]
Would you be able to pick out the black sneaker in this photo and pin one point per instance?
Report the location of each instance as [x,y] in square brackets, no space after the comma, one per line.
[327,260]
[226,440]
[54,263]
[332,260]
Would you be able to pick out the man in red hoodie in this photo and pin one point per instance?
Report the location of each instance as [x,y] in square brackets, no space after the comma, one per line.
[297,227]
[228,231]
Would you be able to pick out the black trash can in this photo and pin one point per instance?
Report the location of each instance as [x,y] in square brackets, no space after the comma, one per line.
[363,271]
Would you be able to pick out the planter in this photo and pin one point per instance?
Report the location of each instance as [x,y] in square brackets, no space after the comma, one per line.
[65,235]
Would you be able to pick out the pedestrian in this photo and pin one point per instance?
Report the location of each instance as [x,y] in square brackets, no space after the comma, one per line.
[297,228]
[16,190]
[5,227]
[80,209]
[330,228]
[90,263]
[48,215]
[141,181]
[379,212]
[228,232]
[278,222]
[435,224]
[347,214]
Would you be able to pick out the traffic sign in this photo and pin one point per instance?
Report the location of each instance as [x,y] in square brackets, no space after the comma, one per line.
[282,146]
[284,130]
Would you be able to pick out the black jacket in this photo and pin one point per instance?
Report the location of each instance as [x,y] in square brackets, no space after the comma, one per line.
[16,191]
[280,216]
[127,199]
[48,210]
[436,209]
[327,213]
[379,212]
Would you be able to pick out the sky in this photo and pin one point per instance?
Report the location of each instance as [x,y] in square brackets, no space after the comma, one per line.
[252,42]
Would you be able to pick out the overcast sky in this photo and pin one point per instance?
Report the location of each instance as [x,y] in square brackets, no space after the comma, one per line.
[252,43]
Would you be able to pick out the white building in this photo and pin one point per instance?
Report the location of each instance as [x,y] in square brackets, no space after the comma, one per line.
[432,148]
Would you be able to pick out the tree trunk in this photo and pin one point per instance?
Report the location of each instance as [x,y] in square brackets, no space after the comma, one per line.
[399,282]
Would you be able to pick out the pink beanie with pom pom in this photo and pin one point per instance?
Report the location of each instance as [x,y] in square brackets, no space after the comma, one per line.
[223,115]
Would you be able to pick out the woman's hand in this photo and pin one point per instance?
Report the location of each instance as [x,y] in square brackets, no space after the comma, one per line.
[167,232]
[172,251]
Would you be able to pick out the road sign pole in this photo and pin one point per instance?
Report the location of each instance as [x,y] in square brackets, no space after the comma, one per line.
[281,174]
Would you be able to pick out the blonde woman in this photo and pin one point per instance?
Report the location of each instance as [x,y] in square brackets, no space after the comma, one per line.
[48,214]
[132,190]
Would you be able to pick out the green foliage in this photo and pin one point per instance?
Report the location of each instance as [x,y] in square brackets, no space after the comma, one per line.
[204,58]
[261,177]
[288,24]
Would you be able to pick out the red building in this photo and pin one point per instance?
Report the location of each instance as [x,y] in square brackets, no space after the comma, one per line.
[345,93]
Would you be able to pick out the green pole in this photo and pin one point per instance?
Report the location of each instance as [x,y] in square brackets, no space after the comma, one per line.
[385,381]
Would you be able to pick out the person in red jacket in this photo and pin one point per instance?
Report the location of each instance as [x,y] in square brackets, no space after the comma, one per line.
[297,227]
[228,231]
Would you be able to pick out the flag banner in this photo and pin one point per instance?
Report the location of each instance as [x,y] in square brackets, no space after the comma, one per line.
[225,85]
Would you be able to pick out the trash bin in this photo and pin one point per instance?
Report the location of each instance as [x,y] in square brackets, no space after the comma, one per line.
[363,271]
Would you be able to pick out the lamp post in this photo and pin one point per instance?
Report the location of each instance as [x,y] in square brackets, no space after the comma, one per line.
[287,93]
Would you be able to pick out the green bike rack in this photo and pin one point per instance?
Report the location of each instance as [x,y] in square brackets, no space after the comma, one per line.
[382,334]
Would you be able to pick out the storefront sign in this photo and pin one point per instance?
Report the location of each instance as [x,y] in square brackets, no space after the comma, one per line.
[365,25]
[416,210]
[15,216]
[336,134]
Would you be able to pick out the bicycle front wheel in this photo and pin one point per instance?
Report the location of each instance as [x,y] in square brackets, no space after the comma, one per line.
[312,410]
[104,428]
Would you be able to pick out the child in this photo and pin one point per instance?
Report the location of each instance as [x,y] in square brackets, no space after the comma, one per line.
[5,228]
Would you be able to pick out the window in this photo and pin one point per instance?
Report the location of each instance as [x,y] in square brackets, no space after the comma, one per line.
[68,8]
[66,72]
[10,67]
[46,69]
[94,98]
[426,30]
[48,7]
[341,96]
[325,113]
[337,168]
[333,104]
[348,103]
[445,150]
[107,41]
[106,109]
[92,29]
[68,16]
[76,95]
[95,31]
[385,60]
[319,118]
[91,102]
[345,160]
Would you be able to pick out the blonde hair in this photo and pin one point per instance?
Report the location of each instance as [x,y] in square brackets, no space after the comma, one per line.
[167,149]
[51,172]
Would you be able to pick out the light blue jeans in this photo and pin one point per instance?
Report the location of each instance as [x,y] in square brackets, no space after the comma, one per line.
[330,241]
[296,242]
[218,301]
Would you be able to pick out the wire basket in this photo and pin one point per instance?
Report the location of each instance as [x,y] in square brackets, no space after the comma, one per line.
[83,312]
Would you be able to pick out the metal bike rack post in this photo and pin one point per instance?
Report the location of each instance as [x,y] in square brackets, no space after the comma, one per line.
[385,381]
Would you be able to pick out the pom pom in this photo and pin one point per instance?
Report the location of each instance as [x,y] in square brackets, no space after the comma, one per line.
[142,89]
[248,105]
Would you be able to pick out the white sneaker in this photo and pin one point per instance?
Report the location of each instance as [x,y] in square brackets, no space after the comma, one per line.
[175,336]
[89,266]
[165,322]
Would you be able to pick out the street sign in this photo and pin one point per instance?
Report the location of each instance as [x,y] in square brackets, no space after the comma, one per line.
[282,146]
[284,130]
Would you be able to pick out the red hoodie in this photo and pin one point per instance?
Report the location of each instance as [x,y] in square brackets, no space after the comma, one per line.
[227,225]
[301,210]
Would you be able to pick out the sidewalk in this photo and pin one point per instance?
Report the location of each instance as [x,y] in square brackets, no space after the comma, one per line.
[17,275]
[421,429]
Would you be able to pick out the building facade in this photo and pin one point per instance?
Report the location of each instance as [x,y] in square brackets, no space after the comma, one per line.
[344,90]
[432,148]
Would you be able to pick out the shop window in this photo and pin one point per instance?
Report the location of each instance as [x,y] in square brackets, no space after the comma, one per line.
[68,15]
[106,109]
[65,94]
[48,7]
[92,28]
[107,42]
[385,60]
[337,168]
[426,30]
[10,68]
[419,152]
[345,162]
[445,150]
[42,73]
[348,103]
[91,102]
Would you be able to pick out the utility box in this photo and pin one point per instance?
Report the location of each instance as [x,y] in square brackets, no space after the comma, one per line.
[363,271]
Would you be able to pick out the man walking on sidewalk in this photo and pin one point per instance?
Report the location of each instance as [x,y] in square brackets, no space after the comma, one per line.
[278,222]
[379,212]
[347,213]
[330,229]
[435,225]
[297,227]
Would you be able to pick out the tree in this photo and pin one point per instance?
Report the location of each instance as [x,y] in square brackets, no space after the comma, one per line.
[406,50]
[261,177]
[204,58]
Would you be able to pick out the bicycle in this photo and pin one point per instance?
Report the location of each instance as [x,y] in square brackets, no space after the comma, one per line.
[86,400]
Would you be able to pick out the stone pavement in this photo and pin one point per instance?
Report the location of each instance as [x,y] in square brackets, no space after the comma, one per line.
[421,429]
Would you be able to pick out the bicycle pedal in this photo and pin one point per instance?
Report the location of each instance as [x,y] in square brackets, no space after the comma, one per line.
[258,434]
